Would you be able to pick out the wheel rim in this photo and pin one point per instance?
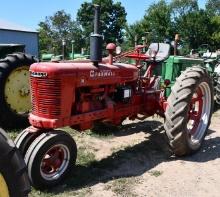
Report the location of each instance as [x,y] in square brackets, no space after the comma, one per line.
[17,91]
[4,192]
[199,113]
[55,162]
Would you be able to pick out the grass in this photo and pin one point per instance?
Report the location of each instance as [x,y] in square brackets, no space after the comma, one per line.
[123,186]
[112,171]
[155,173]
[84,157]
[76,179]
[89,172]
[79,193]
[103,130]
[13,133]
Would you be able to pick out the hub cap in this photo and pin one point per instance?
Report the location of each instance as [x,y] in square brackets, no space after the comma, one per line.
[55,162]
[199,113]
[17,91]
[3,187]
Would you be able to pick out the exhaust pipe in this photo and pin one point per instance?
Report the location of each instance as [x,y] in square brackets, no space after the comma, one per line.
[177,39]
[96,39]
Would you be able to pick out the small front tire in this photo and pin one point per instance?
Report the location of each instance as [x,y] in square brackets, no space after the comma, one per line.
[24,140]
[50,158]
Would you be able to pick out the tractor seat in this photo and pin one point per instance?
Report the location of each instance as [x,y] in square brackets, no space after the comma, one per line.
[163,52]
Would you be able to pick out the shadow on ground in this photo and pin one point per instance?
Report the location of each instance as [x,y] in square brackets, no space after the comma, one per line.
[216,107]
[209,151]
[135,160]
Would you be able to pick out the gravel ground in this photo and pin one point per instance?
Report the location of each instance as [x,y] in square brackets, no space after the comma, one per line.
[135,161]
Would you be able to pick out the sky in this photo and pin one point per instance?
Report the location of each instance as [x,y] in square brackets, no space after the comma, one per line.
[29,13]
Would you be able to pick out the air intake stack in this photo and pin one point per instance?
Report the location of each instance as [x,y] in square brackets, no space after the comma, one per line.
[96,39]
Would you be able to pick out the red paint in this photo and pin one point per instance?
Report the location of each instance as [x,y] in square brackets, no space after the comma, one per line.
[52,161]
[195,111]
[167,82]
[77,94]
[111,48]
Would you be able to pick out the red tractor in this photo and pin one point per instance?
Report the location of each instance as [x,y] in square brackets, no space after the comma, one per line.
[81,94]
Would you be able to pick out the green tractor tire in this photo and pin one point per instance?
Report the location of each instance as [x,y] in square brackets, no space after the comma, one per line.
[15,99]
[14,180]
[217,91]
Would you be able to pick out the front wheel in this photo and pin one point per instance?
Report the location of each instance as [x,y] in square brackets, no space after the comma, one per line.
[24,139]
[50,158]
[189,111]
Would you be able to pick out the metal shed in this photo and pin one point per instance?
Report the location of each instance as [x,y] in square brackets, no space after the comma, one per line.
[14,34]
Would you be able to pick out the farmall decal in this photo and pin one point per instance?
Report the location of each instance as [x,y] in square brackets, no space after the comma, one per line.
[38,74]
[102,73]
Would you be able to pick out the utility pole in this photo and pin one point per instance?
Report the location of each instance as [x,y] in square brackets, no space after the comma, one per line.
[72,42]
[63,48]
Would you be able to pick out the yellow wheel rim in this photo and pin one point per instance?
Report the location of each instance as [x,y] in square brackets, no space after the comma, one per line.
[17,91]
[3,187]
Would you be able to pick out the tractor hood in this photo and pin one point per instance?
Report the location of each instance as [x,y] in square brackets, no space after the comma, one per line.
[86,73]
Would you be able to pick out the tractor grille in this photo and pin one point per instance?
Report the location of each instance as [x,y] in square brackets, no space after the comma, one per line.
[46,97]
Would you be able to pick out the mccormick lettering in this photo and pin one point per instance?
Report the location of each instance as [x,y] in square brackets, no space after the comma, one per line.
[102,73]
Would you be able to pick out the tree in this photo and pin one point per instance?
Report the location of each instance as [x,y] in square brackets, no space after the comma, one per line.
[213,10]
[213,7]
[113,20]
[133,32]
[194,28]
[215,36]
[157,20]
[192,23]
[56,28]
[45,39]
[183,7]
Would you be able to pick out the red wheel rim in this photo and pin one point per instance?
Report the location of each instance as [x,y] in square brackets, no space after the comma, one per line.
[55,162]
[195,111]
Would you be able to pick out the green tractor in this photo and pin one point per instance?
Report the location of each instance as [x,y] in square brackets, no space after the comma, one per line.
[211,61]
[14,180]
[15,101]
[71,56]
[66,55]
[175,64]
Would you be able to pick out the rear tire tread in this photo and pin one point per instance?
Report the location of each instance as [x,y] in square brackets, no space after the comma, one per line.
[11,161]
[177,109]
[9,118]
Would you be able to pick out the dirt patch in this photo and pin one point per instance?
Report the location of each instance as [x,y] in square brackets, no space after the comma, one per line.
[136,161]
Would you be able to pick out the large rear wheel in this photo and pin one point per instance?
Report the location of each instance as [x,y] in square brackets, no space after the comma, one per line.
[15,101]
[14,180]
[189,111]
